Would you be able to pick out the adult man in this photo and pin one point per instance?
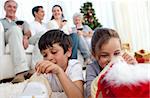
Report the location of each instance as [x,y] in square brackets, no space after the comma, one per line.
[17,36]
[38,28]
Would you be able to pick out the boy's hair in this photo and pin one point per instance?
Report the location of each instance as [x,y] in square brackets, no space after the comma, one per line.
[101,36]
[36,9]
[55,36]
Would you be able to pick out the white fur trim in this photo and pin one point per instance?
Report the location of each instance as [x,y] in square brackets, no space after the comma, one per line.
[123,73]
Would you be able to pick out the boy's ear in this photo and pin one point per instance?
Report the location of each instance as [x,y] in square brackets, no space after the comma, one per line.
[69,52]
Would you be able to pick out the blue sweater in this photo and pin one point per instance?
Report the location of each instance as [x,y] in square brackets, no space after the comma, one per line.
[92,71]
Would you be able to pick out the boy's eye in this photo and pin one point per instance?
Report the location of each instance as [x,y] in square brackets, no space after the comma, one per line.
[53,52]
[44,55]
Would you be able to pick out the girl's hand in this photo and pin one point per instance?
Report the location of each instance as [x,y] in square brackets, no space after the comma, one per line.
[46,66]
[129,59]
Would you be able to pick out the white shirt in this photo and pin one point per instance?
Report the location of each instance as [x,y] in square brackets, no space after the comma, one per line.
[1,27]
[37,27]
[52,24]
[73,71]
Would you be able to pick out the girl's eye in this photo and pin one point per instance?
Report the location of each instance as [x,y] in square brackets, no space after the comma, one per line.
[104,56]
[117,53]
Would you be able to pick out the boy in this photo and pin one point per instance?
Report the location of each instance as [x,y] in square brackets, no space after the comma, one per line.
[64,74]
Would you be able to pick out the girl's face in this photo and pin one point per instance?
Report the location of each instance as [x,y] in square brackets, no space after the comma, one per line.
[107,51]
[57,13]
[56,55]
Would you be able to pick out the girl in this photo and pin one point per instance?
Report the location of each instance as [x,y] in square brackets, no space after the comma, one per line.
[105,45]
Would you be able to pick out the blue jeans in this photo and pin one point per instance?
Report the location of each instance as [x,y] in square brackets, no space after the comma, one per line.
[83,47]
[75,41]
[78,43]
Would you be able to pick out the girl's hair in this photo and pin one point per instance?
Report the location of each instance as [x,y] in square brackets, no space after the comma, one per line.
[60,9]
[100,37]
[55,36]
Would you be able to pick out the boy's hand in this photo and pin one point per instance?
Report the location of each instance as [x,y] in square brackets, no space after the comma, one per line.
[129,59]
[46,66]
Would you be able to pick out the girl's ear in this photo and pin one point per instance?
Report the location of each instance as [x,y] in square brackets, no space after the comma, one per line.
[95,56]
[69,52]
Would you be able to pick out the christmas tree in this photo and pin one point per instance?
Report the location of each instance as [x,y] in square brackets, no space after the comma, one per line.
[89,16]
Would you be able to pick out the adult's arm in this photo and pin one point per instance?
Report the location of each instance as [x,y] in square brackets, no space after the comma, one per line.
[27,34]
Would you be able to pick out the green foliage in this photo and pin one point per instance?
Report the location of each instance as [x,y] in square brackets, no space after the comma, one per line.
[89,16]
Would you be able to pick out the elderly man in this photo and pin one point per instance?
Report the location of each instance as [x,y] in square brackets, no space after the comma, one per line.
[17,34]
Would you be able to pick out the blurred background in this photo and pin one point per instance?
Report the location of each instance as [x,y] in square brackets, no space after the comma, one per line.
[131,18]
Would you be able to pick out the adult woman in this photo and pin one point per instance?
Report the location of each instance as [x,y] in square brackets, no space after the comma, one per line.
[57,22]
[84,31]
[85,34]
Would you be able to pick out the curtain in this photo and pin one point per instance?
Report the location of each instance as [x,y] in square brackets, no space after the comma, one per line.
[131,18]
[132,22]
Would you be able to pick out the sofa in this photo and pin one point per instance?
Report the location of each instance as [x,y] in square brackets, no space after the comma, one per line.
[6,66]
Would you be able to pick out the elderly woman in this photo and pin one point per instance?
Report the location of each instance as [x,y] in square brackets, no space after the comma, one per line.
[84,31]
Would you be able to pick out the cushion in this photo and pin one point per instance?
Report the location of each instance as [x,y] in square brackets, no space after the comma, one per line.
[35,87]
[28,50]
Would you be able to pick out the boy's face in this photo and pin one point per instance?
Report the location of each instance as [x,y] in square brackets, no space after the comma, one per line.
[56,55]
[107,51]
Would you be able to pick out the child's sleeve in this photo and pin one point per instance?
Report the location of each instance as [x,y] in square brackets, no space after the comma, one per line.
[74,71]
[91,74]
